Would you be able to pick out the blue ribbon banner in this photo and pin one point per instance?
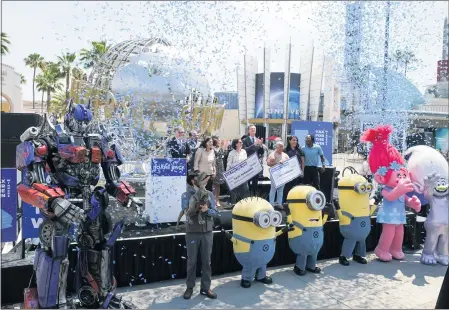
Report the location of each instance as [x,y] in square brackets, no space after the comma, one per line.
[9,204]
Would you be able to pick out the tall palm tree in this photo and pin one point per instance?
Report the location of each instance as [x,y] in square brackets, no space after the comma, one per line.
[22,79]
[409,58]
[5,43]
[41,85]
[49,80]
[33,61]
[93,55]
[66,62]
[58,103]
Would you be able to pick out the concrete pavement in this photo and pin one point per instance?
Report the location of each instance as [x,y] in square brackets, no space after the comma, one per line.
[399,284]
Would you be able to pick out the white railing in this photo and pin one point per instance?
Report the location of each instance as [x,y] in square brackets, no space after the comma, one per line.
[440,108]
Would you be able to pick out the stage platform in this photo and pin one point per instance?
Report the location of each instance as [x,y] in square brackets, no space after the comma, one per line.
[158,254]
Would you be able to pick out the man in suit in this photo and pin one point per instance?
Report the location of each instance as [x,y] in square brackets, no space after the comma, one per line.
[248,144]
[177,147]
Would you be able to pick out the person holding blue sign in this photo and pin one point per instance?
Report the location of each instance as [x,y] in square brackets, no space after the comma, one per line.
[293,149]
[313,155]
[276,157]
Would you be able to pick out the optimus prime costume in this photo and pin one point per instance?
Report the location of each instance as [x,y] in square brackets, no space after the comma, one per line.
[71,157]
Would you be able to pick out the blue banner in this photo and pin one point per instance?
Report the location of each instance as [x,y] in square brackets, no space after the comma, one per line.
[9,204]
[293,97]
[322,132]
[258,103]
[168,167]
[276,110]
[31,219]
[442,139]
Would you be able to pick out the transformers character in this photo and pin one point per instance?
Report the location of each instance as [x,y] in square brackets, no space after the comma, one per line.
[424,162]
[354,216]
[388,166]
[254,223]
[61,165]
[305,205]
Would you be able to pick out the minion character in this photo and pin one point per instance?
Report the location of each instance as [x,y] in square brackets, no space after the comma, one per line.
[305,205]
[254,223]
[354,214]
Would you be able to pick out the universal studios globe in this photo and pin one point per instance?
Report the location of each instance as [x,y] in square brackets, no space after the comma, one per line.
[155,79]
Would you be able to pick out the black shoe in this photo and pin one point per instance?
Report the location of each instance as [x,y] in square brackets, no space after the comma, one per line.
[266,280]
[209,293]
[316,270]
[298,271]
[343,261]
[245,284]
[188,293]
[360,260]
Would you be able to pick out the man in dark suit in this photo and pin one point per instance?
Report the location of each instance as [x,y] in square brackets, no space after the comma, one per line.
[178,147]
[248,144]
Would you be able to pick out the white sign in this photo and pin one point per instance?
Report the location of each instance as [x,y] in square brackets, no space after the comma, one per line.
[284,172]
[242,172]
[165,185]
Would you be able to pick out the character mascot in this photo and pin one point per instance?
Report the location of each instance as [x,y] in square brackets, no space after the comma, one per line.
[354,215]
[305,205]
[429,173]
[387,164]
[61,167]
[254,235]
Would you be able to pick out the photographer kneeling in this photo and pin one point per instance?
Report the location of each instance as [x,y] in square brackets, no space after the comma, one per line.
[199,206]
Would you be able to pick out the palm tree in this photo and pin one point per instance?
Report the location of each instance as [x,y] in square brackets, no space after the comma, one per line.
[93,55]
[41,85]
[49,80]
[65,62]
[409,57]
[58,103]
[22,79]
[33,61]
[403,58]
[5,43]
[398,57]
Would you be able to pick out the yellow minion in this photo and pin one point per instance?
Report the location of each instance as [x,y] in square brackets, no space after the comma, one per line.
[305,205]
[354,214]
[254,235]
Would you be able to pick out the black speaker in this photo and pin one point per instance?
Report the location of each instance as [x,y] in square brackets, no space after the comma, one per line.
[14,124]
[327,183]
[261,131]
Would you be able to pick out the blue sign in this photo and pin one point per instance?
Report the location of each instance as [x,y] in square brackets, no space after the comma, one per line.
[293,97]
[9,204]
[258,103]
[276,110]
[322,132]
[168,167]
[31,219]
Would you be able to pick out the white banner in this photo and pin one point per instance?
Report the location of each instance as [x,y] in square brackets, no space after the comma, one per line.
[165,185]
[242,172]
[284,172]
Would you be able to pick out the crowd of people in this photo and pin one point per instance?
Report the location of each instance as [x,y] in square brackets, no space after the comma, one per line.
[207,161]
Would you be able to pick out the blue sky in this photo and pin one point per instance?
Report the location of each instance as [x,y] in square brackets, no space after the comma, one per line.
[217,34]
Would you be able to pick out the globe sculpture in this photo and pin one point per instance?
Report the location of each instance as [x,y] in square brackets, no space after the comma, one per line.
[143,89]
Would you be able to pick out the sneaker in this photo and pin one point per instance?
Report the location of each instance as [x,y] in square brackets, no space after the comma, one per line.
[209,293]
[188,293]
[359,259]
[245,283]
[316,270]
[343,261]
[298,271]
[266,280]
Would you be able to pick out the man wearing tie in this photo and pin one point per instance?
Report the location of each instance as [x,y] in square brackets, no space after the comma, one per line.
[252,145]
[177,147]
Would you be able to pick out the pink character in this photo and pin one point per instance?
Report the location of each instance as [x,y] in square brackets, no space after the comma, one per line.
[387,164]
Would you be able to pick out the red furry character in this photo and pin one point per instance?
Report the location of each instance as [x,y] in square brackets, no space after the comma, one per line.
[387,164]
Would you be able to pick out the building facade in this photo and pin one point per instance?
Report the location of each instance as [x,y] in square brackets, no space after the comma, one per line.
[11,90]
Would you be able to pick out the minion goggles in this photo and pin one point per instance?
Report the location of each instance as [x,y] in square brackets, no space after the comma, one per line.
[315,201]
[262,219]
[361,188]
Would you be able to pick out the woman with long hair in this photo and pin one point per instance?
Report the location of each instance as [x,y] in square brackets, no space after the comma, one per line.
[238,154]
[293,149]
[219,179]
[205,160]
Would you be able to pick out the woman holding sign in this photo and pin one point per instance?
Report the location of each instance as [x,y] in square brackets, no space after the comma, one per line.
[276,157]
[238,154]
[293,149]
